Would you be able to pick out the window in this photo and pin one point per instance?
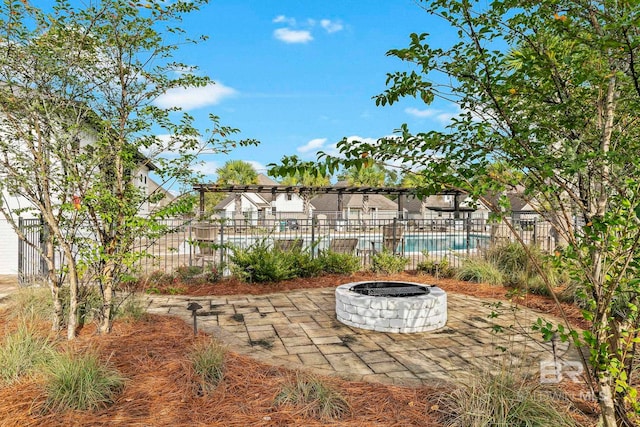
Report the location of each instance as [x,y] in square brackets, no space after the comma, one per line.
[289,197]
[273,210]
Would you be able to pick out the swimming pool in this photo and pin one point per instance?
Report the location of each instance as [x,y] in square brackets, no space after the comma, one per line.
[444,242]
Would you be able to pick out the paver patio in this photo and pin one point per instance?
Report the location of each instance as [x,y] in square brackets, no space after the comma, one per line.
[298,329]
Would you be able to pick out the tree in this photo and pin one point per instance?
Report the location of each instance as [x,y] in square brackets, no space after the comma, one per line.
[78,90]
[368,176]
[550,90]
[237,172]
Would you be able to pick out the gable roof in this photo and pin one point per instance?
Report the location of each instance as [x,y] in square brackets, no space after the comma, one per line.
[329,202]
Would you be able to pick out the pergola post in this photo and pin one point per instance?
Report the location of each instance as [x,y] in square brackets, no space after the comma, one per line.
[400,214]
[201,208]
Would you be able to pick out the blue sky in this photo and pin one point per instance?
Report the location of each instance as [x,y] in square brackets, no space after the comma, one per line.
[300,75]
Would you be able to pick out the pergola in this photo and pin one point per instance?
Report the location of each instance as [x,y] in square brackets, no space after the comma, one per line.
[339,190]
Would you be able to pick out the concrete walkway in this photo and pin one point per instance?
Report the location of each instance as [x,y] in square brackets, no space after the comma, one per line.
[298,329]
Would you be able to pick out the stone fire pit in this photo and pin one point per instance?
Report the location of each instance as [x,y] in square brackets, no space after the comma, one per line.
[385,306]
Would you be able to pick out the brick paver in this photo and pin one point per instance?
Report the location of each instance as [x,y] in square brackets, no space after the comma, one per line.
[298,329]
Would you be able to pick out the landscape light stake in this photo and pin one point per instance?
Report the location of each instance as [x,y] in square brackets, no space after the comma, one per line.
[193,307]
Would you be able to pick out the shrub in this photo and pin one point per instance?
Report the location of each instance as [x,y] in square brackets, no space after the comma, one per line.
[21,353]
[388,263]
[338,263]
[208,360]
[131,307]
[435,267]
[315,398]
[519,270]
[479,270]
[80,382]
[187,272]
[502,400]
[260,263]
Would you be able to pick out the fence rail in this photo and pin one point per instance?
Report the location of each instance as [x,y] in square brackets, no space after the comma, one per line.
[190,242]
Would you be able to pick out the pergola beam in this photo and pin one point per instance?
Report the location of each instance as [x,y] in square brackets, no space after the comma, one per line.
[288,189]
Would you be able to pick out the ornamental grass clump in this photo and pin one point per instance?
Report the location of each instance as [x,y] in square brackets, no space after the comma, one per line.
[23,353]
[503,399]
[314,397]
[80,382]
[208,362]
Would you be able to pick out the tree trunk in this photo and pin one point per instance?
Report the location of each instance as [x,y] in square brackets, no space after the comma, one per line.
[54,286]
[605,399]
[107,299]
[72,323]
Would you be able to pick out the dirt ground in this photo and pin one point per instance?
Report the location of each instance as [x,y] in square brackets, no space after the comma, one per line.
[161,389]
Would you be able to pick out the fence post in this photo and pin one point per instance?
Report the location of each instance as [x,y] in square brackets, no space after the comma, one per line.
[222,248]
[468,228]
[313,237]
[44,237]
[20,251]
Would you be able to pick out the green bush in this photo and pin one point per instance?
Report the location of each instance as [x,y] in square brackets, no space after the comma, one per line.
[187,272]
[479,270]
[519,270]
[80,382]
[338,263]
[261,263]
[315,398]
[388,263]
[502,400]
[435,267]
[130,307]
[21,353]
[208,362]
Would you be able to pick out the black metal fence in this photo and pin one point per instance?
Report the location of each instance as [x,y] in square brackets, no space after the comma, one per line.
[31,265]
[192,242]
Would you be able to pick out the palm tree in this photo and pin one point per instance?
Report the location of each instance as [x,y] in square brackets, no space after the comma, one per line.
[237,172]
[372,176]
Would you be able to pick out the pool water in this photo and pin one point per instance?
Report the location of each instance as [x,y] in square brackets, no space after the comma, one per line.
[444,242]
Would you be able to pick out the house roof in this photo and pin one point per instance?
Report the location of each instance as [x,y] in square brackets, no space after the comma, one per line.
[329,202]
[516,199]
[254,198]
[414,204]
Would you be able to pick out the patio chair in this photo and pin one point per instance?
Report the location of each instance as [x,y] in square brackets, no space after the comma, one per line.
[205,237]
[343,245]
[392,237]
[288,244]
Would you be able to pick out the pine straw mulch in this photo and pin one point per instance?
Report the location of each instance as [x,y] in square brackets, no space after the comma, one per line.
[161,390]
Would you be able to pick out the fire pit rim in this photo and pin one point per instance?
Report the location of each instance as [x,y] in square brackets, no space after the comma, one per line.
[388,314]
[421,289]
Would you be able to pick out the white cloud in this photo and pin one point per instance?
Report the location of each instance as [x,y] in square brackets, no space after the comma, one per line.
[313,145]
[281,18]
[440,116]
[288,35]
[429,112]
[206,168]
[331,26]
[195,97]
[259,167]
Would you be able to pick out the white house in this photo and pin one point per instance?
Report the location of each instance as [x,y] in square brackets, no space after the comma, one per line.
[256,207]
